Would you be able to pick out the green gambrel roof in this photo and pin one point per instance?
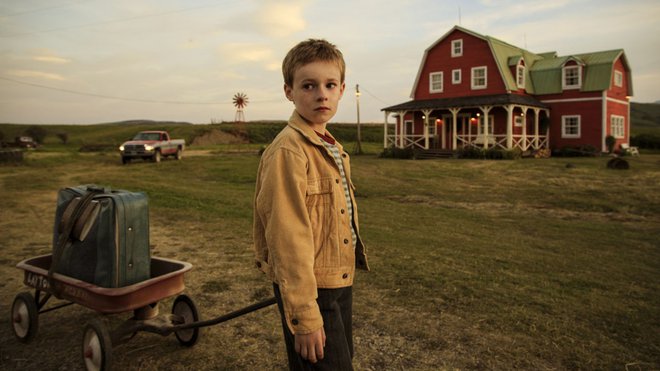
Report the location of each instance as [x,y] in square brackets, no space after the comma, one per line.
[544,71]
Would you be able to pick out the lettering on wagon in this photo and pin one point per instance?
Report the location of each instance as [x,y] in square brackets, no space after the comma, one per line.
[75,292]
[37,281]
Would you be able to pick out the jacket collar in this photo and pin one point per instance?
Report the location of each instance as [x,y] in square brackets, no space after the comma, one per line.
[298,123]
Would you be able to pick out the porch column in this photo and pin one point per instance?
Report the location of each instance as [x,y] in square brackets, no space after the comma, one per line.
[426,113]
[454,118]
[509,126]
[485,110]
[385,131]
[547,130]
[537,112]
[402,129]
[524,129]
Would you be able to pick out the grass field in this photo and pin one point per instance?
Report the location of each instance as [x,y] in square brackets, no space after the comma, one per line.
[525,264]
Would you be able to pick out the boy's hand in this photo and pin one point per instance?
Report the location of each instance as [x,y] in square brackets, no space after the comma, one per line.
[310,346]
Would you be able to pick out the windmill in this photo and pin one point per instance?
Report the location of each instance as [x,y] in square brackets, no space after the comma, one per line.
[240,101]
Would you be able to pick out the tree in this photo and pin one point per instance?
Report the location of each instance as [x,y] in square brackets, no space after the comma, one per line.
[37,133]
[64,137]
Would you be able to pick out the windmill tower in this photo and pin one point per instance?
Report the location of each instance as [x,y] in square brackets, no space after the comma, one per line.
[240,101]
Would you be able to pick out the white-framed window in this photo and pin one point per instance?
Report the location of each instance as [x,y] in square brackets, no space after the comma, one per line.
[432,126]
[571,77]
[570,126]
[617,124]
[618,78]
[456,76]
[457,48]
[479,80]
[435,82]
[518,121]
[491,125]
[520,75]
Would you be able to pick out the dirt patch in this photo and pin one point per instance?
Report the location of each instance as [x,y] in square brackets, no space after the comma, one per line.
[216,136]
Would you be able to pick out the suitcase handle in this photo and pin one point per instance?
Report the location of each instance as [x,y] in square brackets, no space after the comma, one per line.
[95,189]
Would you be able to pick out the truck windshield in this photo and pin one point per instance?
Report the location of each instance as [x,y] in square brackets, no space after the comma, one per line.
[147,136]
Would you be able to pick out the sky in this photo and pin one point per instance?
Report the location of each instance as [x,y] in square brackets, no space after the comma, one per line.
[93,61]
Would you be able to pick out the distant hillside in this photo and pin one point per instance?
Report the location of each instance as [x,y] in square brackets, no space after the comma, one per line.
[146,122]
[645,118]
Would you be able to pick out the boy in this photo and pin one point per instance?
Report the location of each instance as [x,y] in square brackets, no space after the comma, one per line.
[306,234]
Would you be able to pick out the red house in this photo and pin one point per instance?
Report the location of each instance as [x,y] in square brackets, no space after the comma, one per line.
[475,90]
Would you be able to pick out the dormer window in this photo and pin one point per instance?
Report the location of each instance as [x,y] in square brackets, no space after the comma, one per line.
[520,75]
[572,77]
[457,48]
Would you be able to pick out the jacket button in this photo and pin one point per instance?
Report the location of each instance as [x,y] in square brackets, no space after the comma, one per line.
[343,155]
[344,276]
[294,321]
[345,240]
[337,181]
[343,211]
[258,264]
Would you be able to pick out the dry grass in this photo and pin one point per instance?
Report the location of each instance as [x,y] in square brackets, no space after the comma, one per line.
[476,264]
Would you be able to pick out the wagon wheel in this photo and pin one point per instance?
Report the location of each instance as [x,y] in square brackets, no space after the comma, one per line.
[185,308]
[25,317]
[97,346]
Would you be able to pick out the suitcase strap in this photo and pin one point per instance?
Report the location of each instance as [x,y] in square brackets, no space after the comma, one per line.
[76,220]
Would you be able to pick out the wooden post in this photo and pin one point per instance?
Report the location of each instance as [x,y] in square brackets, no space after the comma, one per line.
[385,131]
[537,112]
[509,126]
[454,117]
[426,127]
[486,110]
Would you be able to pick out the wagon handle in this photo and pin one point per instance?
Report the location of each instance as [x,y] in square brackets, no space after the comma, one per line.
[226,317]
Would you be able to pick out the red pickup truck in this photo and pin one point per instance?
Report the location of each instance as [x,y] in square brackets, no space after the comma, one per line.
[153,145]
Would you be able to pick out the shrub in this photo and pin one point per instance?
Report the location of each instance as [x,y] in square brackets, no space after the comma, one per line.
[471,152]
[395,152]
[580,151]
[610,141]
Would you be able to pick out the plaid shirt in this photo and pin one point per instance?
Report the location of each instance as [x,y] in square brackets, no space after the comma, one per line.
[337,157]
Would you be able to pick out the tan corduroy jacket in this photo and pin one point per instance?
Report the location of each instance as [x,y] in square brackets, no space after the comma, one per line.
[302,234]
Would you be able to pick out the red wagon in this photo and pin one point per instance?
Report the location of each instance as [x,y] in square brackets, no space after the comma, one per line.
[142,298]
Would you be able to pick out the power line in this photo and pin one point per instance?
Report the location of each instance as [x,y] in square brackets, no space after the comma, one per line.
[373,96]
[39,10]
[109,96]
[113,21]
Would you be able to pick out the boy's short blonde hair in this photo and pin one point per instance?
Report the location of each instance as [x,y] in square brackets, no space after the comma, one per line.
[308,51]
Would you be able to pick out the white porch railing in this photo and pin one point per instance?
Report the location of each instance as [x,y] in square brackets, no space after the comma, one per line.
[527,142]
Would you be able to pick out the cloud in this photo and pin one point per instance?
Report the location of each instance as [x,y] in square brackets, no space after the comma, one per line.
[51,59]
[281,19]
[37,74]
[245,52]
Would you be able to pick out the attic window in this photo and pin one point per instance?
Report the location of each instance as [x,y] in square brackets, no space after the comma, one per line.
[457,48]
[571,77]
[435,82]
[520,76]
[618,78]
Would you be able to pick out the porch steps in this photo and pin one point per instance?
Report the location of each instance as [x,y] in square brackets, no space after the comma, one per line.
[425,154]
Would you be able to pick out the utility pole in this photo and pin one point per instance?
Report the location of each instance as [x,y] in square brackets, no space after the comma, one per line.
[358,146]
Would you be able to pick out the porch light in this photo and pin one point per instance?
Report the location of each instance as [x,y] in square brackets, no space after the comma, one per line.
[522,114]
[438,121]
[423,117]
[478,114]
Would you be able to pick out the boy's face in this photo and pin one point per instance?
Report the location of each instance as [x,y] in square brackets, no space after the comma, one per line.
[316,91]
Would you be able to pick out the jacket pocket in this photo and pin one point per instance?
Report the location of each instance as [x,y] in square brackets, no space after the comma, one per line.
[320,203]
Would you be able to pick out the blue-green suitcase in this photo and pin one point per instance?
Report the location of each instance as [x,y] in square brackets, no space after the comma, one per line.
[101,236]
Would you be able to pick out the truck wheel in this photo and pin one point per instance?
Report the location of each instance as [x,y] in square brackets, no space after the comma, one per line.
[157,156]
[125,160]
[179,154]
